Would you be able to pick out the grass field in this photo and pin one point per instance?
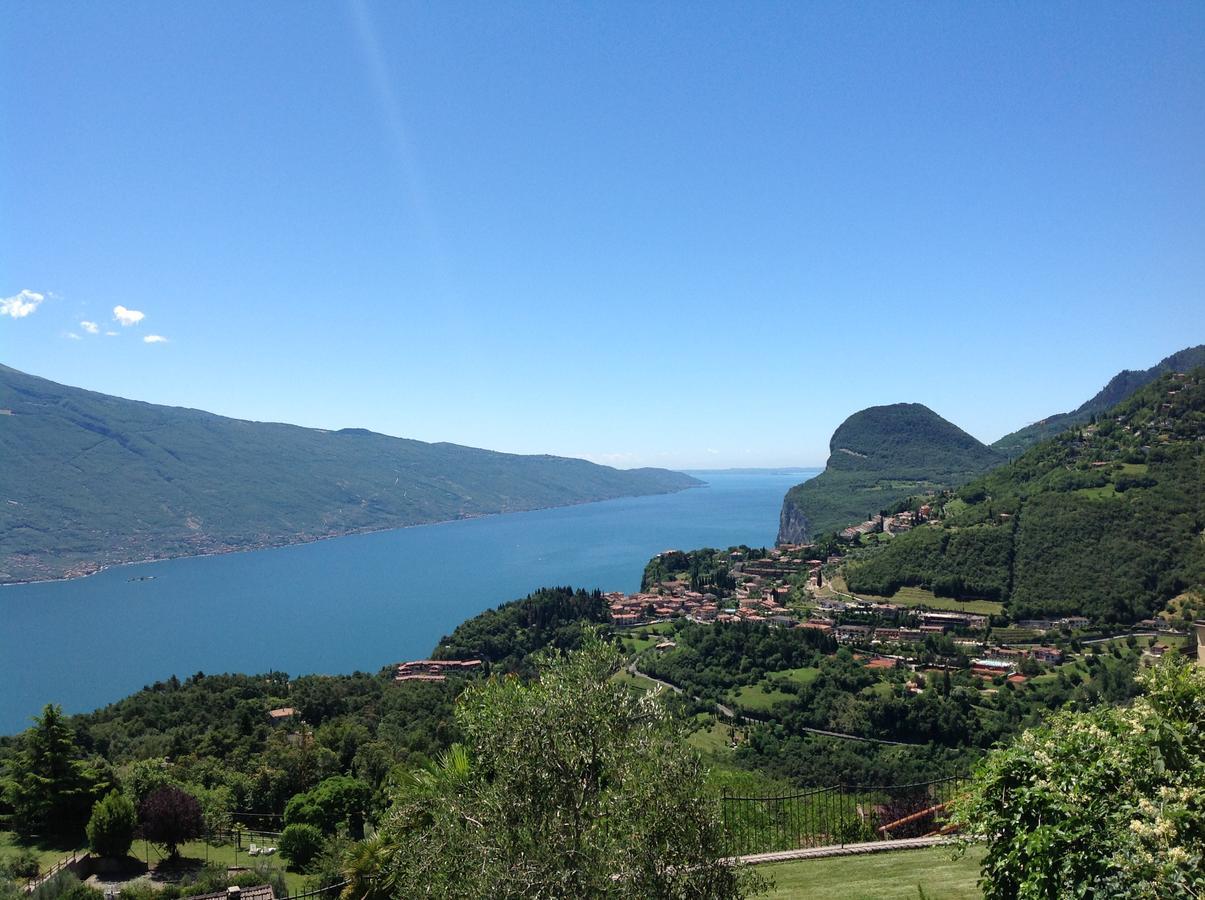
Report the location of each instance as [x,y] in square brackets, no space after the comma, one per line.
[803,676]
[914,596]
[879,876]
[48,853]
[635,644]
[636,682]
[711,739]
[759,698]
[194,854]
[224,855]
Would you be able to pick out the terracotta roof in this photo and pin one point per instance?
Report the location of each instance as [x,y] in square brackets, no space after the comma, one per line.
[259,892]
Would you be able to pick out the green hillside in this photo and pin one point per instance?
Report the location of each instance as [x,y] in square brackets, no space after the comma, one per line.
[878,456]
[1120,386]
[1103,520]
[91,480]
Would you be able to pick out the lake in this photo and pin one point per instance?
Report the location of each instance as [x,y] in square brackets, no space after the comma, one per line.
[352,603]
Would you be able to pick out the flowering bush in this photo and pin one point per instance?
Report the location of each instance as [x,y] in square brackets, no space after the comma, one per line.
[1106,803]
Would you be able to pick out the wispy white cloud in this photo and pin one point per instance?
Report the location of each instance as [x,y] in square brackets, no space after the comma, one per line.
[127,316]
[90,327]
[110,334]
[154,339]
[21,305]
[71,335]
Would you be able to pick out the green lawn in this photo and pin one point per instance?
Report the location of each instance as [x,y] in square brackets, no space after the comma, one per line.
[711,739]
[195,853]
[225,855]
[759,698]
[636,682]
[803,676]
[880,688]
[879,876]
[915,596]
[48,852]
[635,644]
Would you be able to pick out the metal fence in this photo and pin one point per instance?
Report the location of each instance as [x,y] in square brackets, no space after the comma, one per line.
[838,815]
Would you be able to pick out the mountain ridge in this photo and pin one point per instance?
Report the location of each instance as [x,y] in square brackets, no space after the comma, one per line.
[93,480]
[877,456]
[1118,388]
[1102,520]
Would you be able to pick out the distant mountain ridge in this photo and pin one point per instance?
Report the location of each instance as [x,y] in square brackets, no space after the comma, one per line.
[876,457]
[1120,386]
[1101,520]
[90,480]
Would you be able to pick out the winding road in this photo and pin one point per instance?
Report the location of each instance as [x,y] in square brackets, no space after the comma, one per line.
[730,713]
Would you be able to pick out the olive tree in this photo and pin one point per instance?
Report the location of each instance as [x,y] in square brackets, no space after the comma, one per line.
[569,786]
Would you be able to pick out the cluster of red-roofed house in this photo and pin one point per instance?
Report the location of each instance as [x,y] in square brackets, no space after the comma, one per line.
[639,609]
[676,601]
[435,669]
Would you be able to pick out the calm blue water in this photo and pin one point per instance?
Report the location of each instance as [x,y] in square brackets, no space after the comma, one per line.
[346,604]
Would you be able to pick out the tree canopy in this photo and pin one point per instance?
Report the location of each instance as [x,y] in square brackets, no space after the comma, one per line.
[1104,803]
[566,786]
[51,787]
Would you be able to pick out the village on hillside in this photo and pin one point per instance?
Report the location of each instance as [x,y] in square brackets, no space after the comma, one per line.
[787,587]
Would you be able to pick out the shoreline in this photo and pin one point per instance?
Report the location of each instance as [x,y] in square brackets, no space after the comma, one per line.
[298,542]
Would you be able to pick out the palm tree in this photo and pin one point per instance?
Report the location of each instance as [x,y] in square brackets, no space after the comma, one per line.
[369,864]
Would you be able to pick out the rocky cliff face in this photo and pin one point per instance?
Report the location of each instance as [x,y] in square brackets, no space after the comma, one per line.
[876,457]
[793,526]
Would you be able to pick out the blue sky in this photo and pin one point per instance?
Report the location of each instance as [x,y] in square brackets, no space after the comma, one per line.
[648,234]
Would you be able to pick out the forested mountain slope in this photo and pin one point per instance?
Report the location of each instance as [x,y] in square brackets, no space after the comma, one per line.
[1120,386]
[90,480]
[1104,520]
[878,456]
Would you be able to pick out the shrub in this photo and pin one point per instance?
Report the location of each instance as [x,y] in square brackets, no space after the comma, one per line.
[111,828]
[63,885]
[23,865]
[300,844]
[139,890]
[1104,803]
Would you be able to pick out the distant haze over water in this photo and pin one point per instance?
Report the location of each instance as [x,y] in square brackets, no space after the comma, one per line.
[350,603]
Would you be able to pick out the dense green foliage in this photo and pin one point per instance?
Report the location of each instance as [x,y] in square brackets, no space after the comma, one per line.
[704,570]
[338,801]
[63,885]
[507,636]
[193,482]
[1104,803]
[112,826]
[1120,387]
[49,785]
[569,786]
[971,562]
[877,457]
[300,844]
[1102,521]
[712,659]
[211,736]
[950,721]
